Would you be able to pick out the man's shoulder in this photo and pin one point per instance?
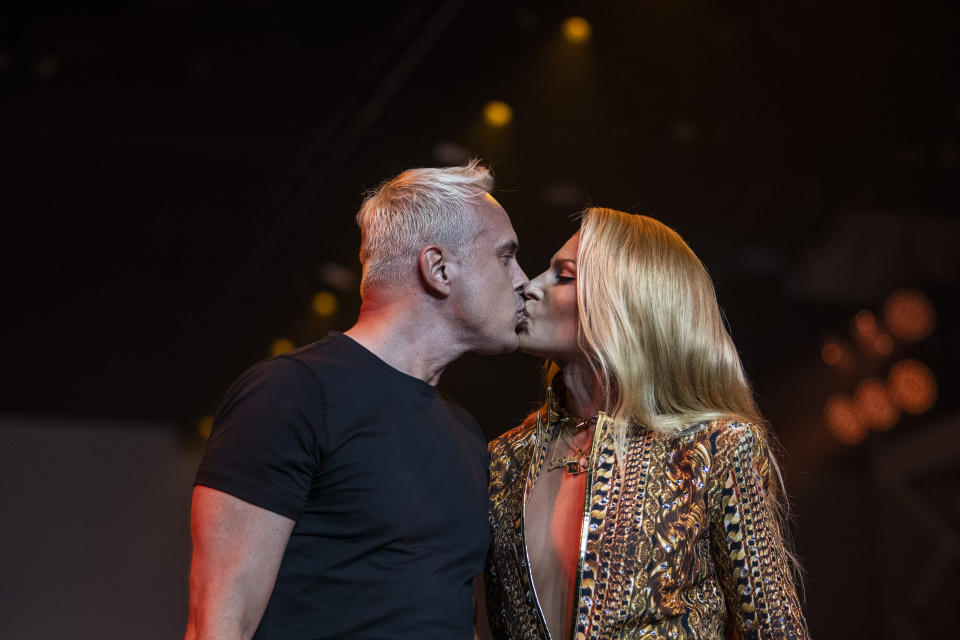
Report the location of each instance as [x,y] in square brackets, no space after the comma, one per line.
[331,350]
[290,379]
[318,363]
[277,374]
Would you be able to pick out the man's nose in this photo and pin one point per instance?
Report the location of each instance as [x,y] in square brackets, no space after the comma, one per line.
[520,281]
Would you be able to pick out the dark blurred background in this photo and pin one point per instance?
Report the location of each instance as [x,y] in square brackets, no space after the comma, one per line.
[178,182]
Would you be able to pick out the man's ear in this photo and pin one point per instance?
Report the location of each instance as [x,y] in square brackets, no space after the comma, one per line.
[435,270]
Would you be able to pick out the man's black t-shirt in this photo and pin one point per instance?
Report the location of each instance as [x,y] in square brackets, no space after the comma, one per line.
[385,478]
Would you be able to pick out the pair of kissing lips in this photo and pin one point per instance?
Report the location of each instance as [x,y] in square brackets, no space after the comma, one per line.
[522,320]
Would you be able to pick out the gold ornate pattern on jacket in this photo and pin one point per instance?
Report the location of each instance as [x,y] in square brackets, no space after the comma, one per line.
[682,545]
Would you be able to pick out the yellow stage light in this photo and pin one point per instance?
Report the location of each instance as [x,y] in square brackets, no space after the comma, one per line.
[324,304]
[576,30]
[497,114]
[281,346]
[204,426]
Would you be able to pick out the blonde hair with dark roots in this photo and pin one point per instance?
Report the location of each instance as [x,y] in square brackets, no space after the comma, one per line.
[416,208]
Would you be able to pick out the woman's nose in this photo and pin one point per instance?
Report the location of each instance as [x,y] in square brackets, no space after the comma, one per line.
[532,290]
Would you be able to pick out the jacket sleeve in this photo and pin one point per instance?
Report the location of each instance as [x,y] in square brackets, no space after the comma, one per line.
[749,552]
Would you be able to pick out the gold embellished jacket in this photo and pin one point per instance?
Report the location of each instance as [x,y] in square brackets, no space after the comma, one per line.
[682,545]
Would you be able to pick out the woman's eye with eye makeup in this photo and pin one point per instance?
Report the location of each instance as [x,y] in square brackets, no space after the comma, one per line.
[565,279]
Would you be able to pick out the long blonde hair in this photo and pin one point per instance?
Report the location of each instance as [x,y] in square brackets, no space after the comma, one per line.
[653,332]
[652,329]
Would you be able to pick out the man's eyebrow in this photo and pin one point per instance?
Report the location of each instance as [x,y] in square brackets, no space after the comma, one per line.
[510,246]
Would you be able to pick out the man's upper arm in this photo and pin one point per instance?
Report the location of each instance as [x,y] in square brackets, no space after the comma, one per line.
[252,485]
[237,548]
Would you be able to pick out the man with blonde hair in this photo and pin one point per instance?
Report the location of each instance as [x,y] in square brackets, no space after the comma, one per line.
[341,495]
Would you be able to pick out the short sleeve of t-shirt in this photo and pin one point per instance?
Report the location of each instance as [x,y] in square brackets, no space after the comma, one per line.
[267,437]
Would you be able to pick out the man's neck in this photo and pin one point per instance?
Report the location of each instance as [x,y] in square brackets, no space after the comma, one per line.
[406,338]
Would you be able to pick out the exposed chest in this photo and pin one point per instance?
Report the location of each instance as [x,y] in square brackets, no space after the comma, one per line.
[554,517]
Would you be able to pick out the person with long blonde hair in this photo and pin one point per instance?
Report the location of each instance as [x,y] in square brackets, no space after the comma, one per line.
[643,499]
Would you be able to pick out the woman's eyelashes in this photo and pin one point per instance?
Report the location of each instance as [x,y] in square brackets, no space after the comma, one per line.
[564,279]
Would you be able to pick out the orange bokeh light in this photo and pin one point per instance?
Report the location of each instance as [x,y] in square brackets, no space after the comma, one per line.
[874,406]
[912,385]
[883,344]
[865,323]
[843,420]
[832,353]
[909,315]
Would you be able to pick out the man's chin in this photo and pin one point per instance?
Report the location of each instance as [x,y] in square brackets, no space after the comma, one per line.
[513,343]
[509,344]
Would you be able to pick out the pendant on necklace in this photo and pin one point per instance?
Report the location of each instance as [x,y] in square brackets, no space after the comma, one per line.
[574,465]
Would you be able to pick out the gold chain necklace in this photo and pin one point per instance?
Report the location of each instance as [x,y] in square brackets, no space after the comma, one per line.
[580,461]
